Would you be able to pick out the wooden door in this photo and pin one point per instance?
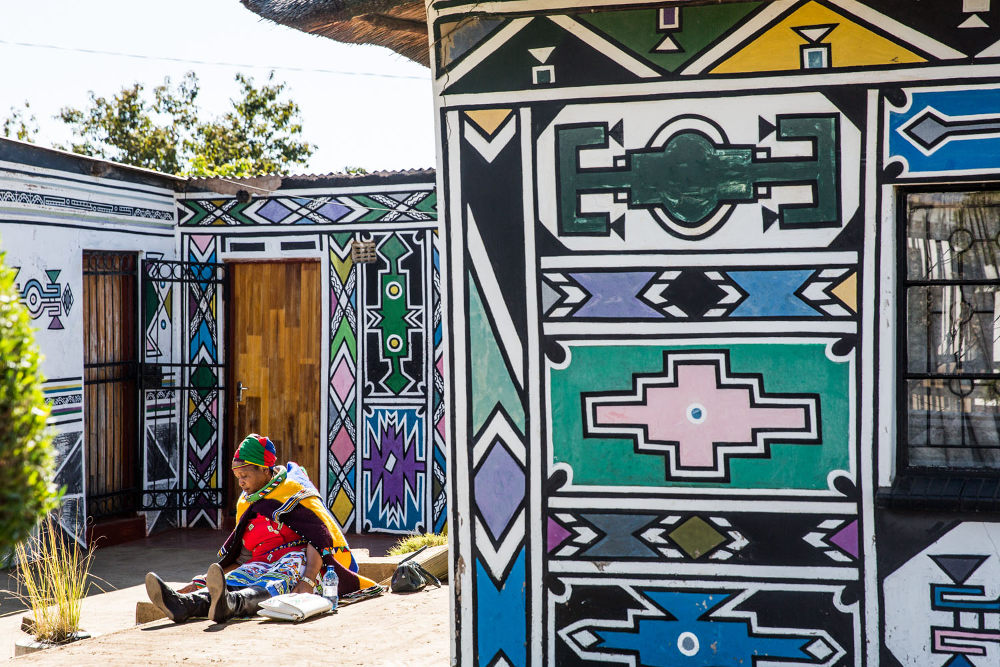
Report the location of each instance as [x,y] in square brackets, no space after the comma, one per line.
[275,317]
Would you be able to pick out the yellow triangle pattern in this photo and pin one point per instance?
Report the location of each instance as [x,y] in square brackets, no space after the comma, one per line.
[342,266]
[342,507]
[852,45]
[847,291]
[488,119]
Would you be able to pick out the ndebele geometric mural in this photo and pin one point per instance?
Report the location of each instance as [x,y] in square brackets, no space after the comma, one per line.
[383,450]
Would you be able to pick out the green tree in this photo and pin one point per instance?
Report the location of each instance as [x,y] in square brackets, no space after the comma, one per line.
[21,124]
[25,448]
[129,129]
[260,134]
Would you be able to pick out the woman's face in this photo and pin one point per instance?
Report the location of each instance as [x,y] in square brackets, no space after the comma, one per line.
[252,478]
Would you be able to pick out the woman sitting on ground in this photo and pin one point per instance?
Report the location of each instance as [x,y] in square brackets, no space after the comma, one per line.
[284,538]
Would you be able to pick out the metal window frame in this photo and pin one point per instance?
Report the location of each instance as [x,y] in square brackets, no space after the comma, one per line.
[960,489]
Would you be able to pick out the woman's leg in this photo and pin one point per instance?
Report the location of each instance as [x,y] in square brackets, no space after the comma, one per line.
[178,606]
[240,592]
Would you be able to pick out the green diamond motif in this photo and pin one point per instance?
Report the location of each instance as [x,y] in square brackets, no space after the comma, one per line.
[696,537]
[204,377]
[202,431]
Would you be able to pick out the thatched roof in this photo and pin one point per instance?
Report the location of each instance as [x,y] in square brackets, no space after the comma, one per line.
[400,25]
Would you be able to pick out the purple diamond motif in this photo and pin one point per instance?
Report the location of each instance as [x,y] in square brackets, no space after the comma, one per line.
[333,211]
[273,211]
[499,488]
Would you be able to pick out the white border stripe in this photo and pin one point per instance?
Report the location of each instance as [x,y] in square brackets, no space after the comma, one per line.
[674,569]
[605,47]
[492,298]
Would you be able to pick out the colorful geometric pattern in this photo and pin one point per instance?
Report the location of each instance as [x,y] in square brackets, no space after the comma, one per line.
[696,205]
[621,408]
[698,535]
[439,466]
[157,315]
[701,177]
[950,588]
[694,293]
[608,45]
[501,620]
[668,37]
[597,535]
[499,489]
[64,396]
[946,130]
[699,415]
[372,207]
[394,316]
[394,469]
[203,439]
[838,538]
[342,435]
[665,628]
[51,299]
[766,177]
[812,35]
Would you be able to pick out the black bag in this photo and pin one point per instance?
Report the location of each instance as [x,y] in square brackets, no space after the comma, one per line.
[410,576]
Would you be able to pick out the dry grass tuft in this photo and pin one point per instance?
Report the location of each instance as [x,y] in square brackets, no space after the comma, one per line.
[52,569]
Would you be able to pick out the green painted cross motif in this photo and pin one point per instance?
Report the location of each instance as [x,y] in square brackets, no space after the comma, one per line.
[690,178]
[393,311]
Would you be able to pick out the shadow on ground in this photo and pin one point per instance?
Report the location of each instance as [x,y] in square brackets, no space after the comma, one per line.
[175,555]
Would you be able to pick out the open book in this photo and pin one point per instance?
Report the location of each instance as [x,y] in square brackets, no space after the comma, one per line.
[294,606]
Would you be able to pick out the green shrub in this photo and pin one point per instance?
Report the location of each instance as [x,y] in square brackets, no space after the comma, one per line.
[25,448]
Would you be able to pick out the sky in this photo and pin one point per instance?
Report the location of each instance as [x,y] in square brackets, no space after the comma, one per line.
[375,110]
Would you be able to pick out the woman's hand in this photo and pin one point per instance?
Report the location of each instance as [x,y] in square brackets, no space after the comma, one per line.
[303,587]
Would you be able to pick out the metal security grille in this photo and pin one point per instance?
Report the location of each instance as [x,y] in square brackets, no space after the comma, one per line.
[173,372]
[110,385]
[950,330]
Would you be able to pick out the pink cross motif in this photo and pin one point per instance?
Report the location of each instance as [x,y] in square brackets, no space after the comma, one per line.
[698,414]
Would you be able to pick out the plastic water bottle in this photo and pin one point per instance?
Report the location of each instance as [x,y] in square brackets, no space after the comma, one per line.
[330,584]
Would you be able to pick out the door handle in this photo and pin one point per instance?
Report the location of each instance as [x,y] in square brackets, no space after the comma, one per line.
[240,388]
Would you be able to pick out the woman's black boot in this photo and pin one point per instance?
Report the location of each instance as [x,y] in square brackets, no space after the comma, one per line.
[178,607]
[226,605]
[243,603]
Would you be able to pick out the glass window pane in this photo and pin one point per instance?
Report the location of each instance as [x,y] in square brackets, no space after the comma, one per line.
[953,329]
[953,235]
[953,423]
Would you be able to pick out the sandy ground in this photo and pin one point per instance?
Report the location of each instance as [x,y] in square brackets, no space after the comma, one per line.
[391,630]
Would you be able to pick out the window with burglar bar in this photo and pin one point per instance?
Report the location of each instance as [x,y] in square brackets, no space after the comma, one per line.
[949,370]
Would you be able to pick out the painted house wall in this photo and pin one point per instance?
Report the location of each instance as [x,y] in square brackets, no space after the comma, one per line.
[382,456]
[51,210]
[672,255]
